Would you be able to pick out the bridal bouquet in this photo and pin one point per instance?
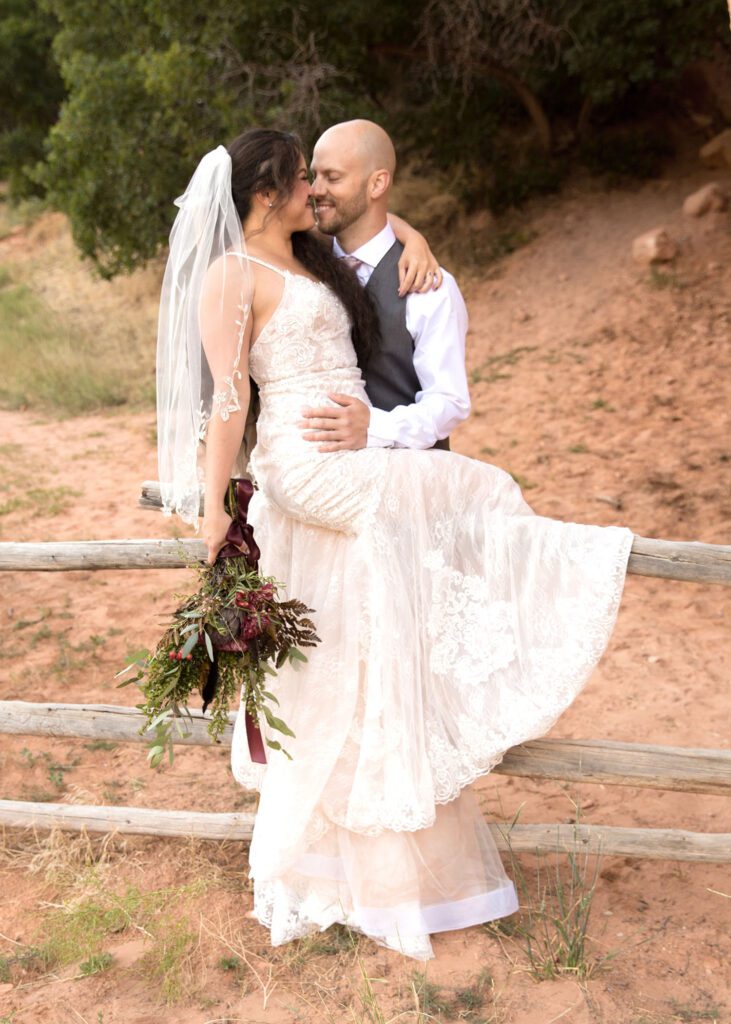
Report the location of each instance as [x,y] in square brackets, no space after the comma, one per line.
[225,639]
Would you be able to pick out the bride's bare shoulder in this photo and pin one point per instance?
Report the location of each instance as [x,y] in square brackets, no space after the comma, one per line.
[228,273]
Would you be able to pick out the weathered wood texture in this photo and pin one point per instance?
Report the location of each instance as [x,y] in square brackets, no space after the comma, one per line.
[688,560]
[677,560]
[654,844]
[625,764]
[101,554]
[621,764]
[150,496]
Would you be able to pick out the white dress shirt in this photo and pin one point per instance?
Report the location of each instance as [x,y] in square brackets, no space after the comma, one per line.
[437,321]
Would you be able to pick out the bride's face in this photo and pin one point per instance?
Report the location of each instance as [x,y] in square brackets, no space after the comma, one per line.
[298,213]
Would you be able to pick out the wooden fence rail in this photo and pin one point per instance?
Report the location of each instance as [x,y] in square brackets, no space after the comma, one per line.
[663,844]
[690,561]
[621,764]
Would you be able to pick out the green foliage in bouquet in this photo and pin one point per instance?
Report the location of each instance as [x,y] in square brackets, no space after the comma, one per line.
[227,638]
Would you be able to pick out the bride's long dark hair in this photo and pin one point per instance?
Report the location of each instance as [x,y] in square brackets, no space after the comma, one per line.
[264,159]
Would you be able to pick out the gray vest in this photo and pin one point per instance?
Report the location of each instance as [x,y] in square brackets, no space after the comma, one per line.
[390,377]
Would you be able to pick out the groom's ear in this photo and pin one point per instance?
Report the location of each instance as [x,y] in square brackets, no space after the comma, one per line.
[379,184]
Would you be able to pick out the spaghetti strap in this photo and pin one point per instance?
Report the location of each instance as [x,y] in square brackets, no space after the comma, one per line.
[262,263]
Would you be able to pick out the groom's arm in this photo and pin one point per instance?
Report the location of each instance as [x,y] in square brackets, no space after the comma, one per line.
[437,321]
[418,267]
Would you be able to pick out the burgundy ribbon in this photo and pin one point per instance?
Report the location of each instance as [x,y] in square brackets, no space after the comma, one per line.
[240,534]
[240,541]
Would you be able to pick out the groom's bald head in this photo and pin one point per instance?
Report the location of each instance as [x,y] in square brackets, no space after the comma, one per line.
[353,165]
[366,142]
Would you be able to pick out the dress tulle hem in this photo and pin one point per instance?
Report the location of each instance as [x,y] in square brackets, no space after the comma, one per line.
[405,929]
[396,888]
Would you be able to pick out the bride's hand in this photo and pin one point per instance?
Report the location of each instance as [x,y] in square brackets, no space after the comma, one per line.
[214,530]
[418,269]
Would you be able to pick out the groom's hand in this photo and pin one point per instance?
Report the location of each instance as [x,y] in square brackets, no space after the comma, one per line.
[340,428]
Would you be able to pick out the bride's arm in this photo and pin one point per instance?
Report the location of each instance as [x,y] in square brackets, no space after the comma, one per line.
[418,267]
[220,313]
[223,441]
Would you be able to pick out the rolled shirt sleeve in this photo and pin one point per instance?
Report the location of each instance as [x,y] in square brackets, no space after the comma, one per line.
[437,321]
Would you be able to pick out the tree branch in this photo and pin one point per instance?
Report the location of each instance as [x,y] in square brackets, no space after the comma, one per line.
[490,69]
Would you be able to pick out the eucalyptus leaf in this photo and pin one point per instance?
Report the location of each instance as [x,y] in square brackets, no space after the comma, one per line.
[158,719]
[189,644]
[209,645]
[132,679]
[276,723]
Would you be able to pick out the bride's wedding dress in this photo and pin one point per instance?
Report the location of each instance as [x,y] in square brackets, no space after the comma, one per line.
[455,623]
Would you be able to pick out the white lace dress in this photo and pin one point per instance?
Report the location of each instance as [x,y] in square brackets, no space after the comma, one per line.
[455,623]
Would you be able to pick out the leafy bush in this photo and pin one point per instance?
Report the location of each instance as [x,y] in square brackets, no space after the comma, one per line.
[625,153]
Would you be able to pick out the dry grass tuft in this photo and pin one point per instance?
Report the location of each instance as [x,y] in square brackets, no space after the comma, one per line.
[71,343]
[60,857]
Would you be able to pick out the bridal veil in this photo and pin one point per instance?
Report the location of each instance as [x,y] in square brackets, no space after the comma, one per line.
[198,371]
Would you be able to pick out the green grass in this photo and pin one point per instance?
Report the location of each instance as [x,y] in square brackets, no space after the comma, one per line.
[522,481]
[437,1003]
[78,928]
[662,279]
[492,368]
[96,963]
[22,214]
[167,962]
[101,745]
[39,502]
[230,963]
[552,927]
[689,1014]
[47,365]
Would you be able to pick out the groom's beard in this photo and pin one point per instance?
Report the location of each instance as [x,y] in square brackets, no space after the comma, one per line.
[334,216]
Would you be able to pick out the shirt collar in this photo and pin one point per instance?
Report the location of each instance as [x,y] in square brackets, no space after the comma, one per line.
[371,252]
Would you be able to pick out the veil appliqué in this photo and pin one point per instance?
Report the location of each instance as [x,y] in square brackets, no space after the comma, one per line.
[198,372]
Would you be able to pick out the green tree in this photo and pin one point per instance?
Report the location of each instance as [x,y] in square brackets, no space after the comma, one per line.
[31,90]
[153,84]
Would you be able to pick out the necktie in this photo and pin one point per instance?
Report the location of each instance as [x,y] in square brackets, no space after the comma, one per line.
[352,261]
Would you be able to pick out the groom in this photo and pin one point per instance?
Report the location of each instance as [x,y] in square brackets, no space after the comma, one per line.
[416,378]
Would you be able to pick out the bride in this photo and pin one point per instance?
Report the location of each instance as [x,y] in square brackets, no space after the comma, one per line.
[455,622]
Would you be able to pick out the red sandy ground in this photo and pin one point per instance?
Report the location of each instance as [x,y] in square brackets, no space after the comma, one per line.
[606,390]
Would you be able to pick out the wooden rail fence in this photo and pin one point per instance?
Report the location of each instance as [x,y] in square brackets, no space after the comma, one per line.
[597,761]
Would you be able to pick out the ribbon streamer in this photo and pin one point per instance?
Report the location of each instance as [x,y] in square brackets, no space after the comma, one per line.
[240,542]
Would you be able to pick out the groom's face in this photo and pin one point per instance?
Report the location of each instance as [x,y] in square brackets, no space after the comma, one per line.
[339,188]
